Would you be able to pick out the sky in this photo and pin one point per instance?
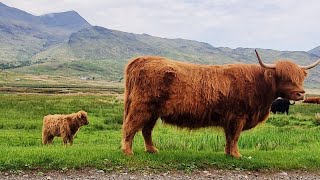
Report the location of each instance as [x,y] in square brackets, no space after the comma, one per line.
[271,24]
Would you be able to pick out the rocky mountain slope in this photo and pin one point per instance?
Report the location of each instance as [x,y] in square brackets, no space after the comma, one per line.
[66,44]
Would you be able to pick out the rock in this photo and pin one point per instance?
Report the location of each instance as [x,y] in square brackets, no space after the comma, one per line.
[284,174]
[100,171]
[164,174]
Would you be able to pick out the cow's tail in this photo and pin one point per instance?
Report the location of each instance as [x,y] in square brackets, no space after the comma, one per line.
[127,100]
[129,84]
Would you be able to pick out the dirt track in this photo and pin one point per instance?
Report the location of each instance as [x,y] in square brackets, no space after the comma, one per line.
[197,175]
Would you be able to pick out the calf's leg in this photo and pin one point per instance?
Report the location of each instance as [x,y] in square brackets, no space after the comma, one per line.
[49,139]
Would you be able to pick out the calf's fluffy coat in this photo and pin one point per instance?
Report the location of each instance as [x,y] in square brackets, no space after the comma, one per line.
[62,125]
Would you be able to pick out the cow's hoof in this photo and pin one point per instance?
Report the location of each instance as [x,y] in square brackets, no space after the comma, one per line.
[235,155]
[127,152]
[152,150]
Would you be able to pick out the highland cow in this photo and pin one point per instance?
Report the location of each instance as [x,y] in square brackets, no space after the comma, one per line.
[235,97]
[313,100]
[281,105]
[62,125]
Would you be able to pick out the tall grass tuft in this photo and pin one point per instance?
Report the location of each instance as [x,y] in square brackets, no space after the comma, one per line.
[317,119]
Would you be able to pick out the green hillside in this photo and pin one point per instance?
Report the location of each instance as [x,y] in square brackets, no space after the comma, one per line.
[102,52]
[23,35]
[64,44]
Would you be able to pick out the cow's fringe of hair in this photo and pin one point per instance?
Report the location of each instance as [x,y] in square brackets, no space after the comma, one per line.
[287,70]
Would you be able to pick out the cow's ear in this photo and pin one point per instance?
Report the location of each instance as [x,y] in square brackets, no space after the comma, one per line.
[268,74]
[79,115]
[269,77]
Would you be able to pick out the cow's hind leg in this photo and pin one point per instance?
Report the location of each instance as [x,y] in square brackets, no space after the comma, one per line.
[232,133]
[147,135]
[134,121]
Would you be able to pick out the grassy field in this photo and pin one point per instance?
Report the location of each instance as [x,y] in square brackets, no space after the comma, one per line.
[283,142]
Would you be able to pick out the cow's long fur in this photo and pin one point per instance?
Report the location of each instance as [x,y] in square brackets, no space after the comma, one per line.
[235,97]
[314,100]
[62,125]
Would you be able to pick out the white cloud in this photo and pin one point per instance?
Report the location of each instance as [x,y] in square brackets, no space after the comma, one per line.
[275,24]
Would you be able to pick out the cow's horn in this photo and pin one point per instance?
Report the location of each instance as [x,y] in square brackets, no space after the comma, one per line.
[311,65]
[269,66]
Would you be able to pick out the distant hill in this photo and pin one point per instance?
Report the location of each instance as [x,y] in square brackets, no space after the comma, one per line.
[103,52]
[65,44]
[101,43]
[315,51]
[24,35]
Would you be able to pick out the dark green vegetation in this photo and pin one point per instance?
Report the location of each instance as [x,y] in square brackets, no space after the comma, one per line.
[283,142]
[65,44]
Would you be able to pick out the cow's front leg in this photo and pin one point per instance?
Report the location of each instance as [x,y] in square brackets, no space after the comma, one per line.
[232,132]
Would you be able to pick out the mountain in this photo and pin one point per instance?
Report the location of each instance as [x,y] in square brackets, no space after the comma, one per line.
[24,35]
[102,52]
[69,21]
[315,51]
[98,43]
[66,44]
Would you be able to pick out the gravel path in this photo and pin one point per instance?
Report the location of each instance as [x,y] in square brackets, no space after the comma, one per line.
[196,175]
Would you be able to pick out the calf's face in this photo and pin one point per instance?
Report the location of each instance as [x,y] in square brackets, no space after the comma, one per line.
[83,118]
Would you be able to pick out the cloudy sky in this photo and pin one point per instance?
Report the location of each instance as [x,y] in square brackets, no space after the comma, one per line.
[271,24]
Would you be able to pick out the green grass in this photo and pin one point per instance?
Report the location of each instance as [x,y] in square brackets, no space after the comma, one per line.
[283,142]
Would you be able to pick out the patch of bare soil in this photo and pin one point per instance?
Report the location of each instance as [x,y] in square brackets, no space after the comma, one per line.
[177,175]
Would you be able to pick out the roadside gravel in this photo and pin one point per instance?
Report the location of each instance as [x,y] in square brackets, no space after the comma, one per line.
[88,174]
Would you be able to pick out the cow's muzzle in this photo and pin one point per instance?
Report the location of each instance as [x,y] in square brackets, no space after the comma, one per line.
[300,95]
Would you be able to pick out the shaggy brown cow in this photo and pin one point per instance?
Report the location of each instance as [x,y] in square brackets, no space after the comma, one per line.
[62,125]
[235,97]
[314,100]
